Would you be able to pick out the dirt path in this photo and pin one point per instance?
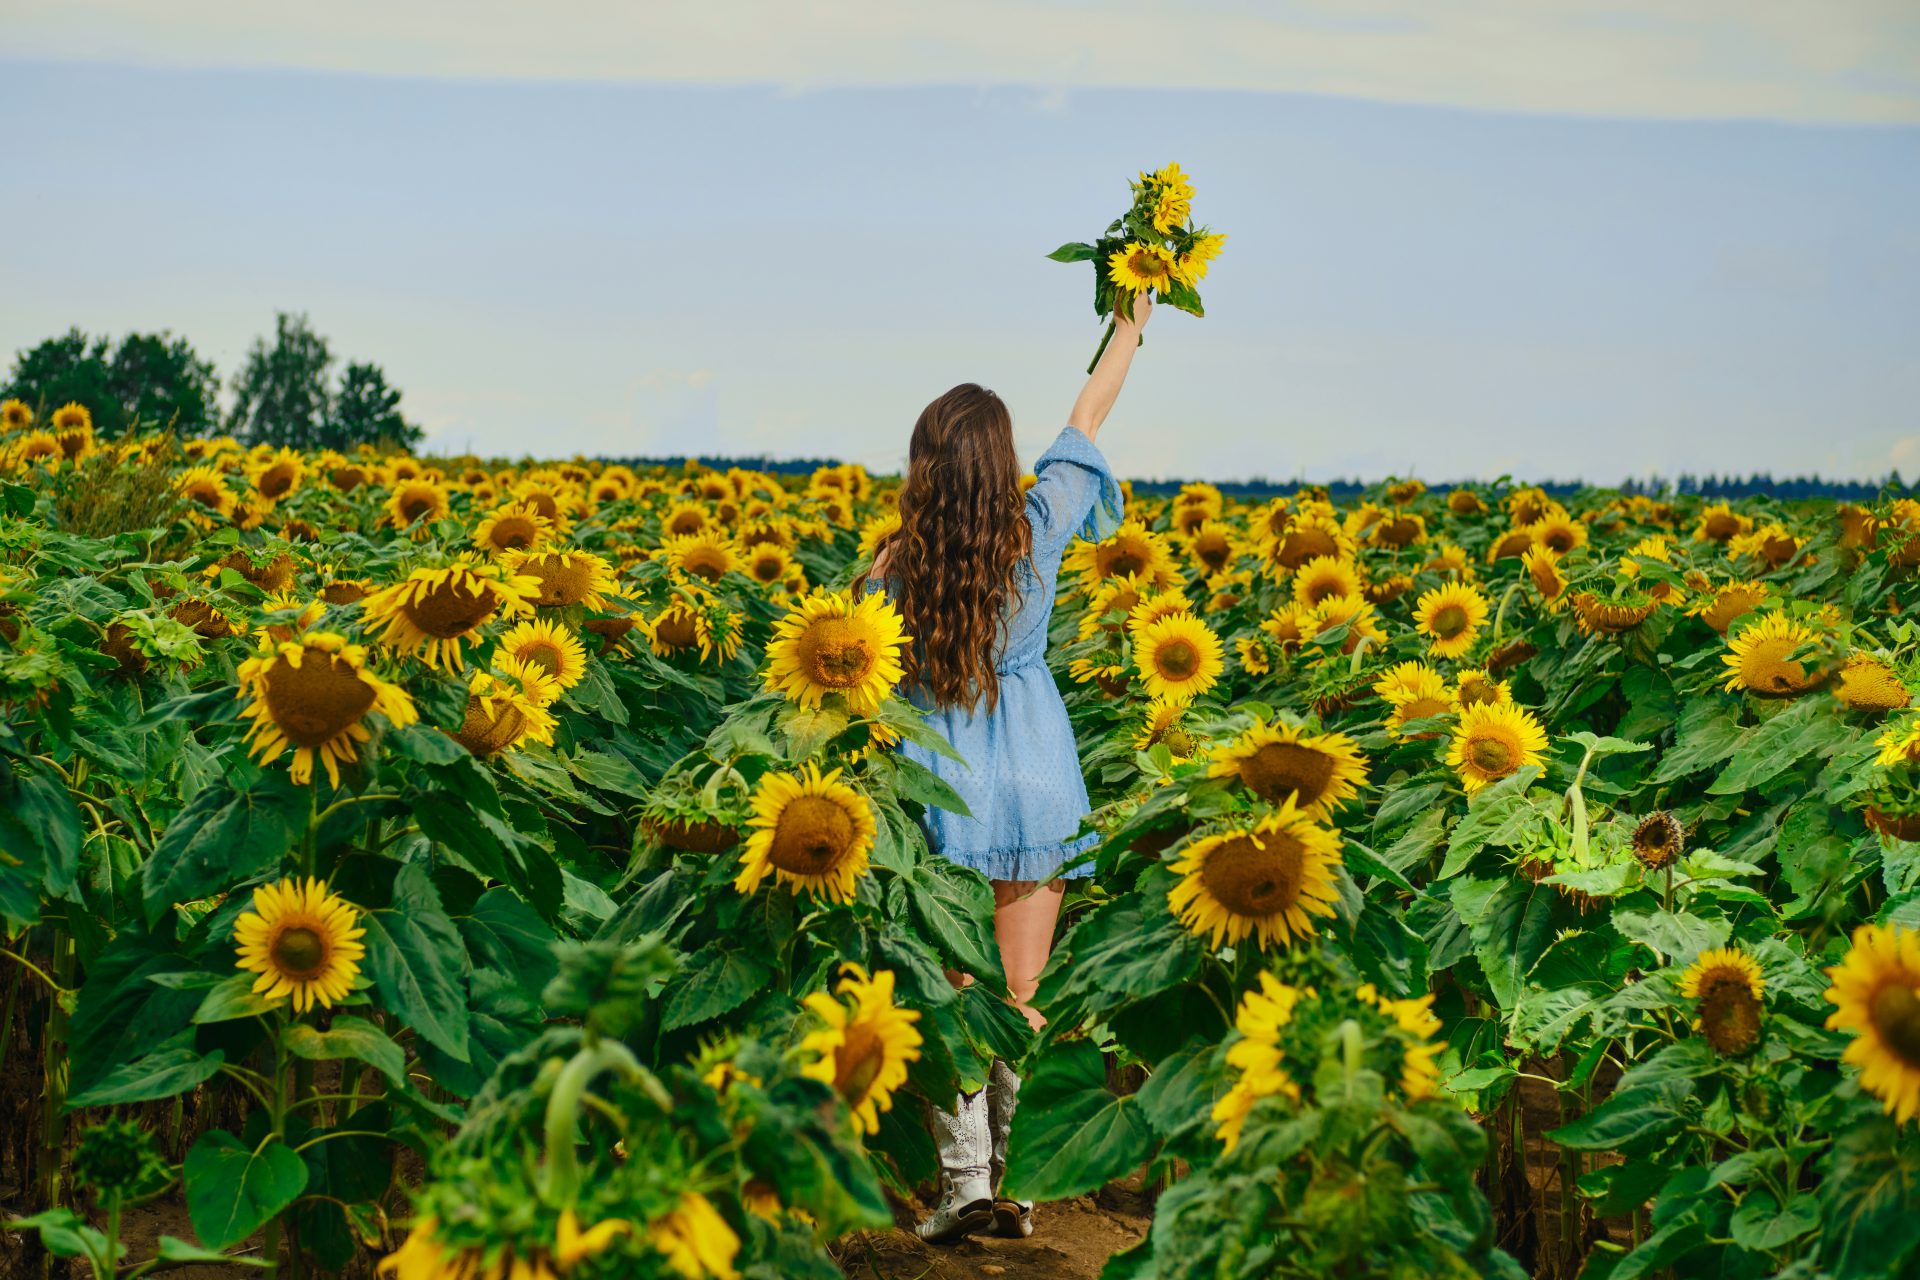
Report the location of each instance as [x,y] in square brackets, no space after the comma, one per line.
[1072,1240]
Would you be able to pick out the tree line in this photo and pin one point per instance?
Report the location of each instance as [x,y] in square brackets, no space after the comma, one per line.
[286,391]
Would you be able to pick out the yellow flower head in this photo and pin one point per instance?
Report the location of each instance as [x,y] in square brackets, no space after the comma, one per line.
[1727,983]
[1876,988]
[303,943]
[1451,617]
[1266,881]
[833,644]
[811,832]
[1179,658]
[1316,772]
[1494,740]
[311,694]
[864,1044]
[435,611]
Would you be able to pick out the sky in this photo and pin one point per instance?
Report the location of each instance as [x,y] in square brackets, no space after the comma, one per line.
[1554,239]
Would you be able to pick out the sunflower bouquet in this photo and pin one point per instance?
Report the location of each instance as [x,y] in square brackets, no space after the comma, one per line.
[1152,246]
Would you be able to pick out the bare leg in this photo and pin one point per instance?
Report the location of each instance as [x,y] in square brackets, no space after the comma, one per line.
[1024,916]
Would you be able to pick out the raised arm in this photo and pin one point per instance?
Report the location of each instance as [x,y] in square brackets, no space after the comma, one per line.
[1103,384]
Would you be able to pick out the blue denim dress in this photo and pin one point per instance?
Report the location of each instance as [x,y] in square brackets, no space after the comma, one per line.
[1022,780]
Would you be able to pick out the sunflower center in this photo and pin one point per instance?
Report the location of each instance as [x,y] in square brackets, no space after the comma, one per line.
[542,655]
[1178,741]
[513,533]
[1177,659]
[316,700]
[1254,878]
[415,505]
[813,834]
[706,562]
[299,951]
[1421,708]
[1721,527]
[677,631]
[1476,691]
[768,569]
[1895,1010]
[857,1065]
[1490,755]
[276,482]
[346,479]
[1280,769]
[686,522]
[1212,552]
[1449,621]
[1729,1013]
[1560,540]
[204,493]
[450,609]
[835,653]
[1766,669]
[561,581]
[1121,561]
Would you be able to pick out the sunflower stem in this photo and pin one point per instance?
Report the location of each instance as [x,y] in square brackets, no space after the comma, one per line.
[1500,616]
[277,1112]
[1102,349]
[561,1177]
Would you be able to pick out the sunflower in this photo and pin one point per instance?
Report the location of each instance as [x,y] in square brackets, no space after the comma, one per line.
[312,693]
[1162,726]
[1614,614]
[550,646]
[1513,544]
[1416,1024]
[877,530]
[1760,658]
[1212,546]
[1141,266]
[1191,265]
[1256,1056]
[1264,881]
[302,942]
[1543,571]
[685,519]
[1325,576]
[1288,626]
[1133,550]
[1720,523]
[1308,536]
[1317,773]
[515,526]
[1155,605]
[768,564]
[709,556]
[695,1240]
[415,504]
[1471,688]
[1493,741]
[434,610]
[206,487]
[1876,987]
[1731,602]
[1178,657]
[71,416]
[1864,683]
[810,831]
[572,1246]
[506,707]
[1172,197]
[864,1047]
[1110,596]
[829,643]
[1451,616]
[1899,744]
[1727,983]
[566,577]
[1465,502]
[1110,676]
[1557,532]
[15,415]
[1253,655]
[278,475]
[1415,691]
[1354,613]
[1659,840]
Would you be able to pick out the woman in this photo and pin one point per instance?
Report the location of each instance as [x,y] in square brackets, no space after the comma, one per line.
[972,570]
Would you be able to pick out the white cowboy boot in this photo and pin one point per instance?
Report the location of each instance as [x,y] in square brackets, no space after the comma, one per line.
[1013,1218]
[966,1185]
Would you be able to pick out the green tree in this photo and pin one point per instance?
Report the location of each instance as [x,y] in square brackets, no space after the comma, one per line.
[366,410]
[281,396]
[154,379]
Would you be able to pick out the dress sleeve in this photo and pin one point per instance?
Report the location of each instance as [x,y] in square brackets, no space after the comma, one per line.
[1075,493]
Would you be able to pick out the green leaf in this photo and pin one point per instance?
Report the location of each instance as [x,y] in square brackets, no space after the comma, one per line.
[608,773]
[43,804]
[1071,1134]
[1809,728]
[1497,816]
[810,728]
[64,1234]
[1677,935]
[1072,251]
[715,980]
[177,1252]
[915,781]
[171,1069]
[1761,1225]
[1178,1093]
[511,935]
[233,998]
[222,838]
[1708,733]
[1627,1117]
[418,962]
[956,910]
[232,1190]
[350,1037]
[1872,1183]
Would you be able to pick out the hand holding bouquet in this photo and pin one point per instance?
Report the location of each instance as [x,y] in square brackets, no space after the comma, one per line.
[1151,249]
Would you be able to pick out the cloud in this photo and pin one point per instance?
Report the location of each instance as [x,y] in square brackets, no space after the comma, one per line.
[1841,61]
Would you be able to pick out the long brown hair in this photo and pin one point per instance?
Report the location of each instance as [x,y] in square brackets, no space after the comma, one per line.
[963,528]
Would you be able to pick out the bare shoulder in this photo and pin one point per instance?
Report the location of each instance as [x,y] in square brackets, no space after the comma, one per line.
[882,562]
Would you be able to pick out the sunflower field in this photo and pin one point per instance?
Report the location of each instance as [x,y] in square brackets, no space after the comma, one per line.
[451,869]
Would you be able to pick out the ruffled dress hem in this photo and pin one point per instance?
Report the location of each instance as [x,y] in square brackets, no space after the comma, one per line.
[1024,862]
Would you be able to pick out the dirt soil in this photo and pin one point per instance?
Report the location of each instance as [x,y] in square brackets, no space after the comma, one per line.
[1072,1240]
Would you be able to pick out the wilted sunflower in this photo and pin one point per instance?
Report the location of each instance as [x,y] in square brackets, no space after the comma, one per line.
[1727,983]
[708,556]
[566,577]
[1492,741]
[1257,1057]
[1282,763]
[278,475]
[551,646]
[1760,657]
[1877,988]
[435,610]
[1451,616]
[1325,576]
[1658,840]
[695,1240]
[312,693]
[1864,683]
[864,1047]
[1266,881]
[516,526]
[1178,657]
[303,943]
[810,831]
[415,504]
[505,708]
[829,644]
